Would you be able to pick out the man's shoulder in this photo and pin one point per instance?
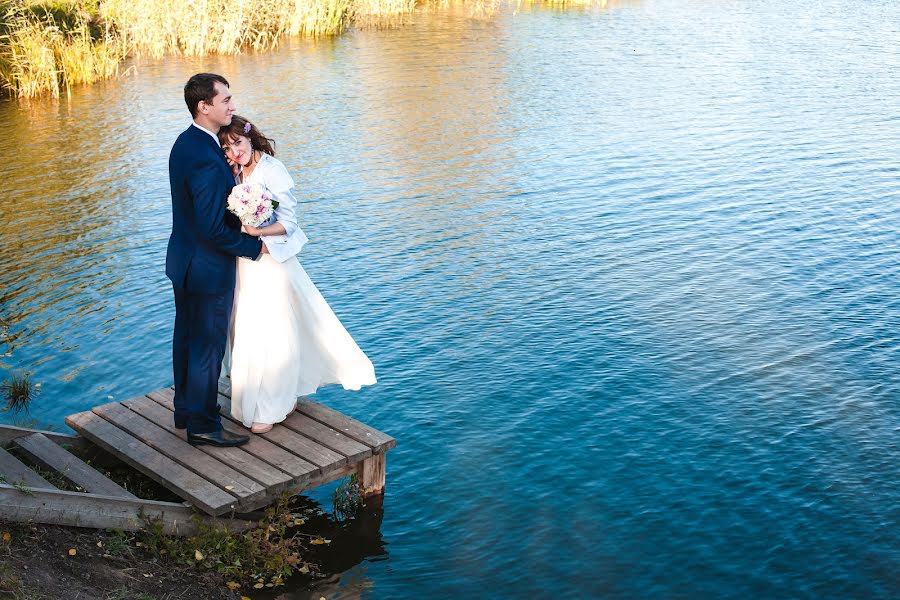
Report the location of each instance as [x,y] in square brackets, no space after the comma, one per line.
[188,137]
[190,147]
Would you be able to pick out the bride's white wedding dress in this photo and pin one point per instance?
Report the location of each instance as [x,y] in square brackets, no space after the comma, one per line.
[285,341]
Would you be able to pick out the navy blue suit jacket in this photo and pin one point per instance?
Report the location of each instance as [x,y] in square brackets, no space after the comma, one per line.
[205,238]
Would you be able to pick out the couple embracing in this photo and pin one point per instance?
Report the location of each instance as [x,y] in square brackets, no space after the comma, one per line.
[240,292]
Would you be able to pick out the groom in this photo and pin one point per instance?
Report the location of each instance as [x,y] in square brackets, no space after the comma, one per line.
[200,261]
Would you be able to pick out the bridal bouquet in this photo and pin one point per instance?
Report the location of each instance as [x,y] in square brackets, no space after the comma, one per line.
[252,203]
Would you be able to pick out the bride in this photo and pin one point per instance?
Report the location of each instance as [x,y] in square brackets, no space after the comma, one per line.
[285,341]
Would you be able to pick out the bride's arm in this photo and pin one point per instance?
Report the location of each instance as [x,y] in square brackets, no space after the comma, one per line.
[275,228]
[279,182]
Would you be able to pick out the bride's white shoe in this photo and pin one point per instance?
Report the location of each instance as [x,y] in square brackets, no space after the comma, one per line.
[260,428]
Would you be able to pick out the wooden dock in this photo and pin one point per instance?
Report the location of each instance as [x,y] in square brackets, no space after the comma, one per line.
[314,445]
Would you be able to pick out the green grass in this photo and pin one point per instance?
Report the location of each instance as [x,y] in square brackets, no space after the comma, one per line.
[17,391]
[261,557]
[347,499]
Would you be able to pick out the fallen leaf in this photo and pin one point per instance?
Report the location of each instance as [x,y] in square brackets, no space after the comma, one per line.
[233,585]
[229,487]
[304,569]
[258,586]
[148,574]
[198,555]
[245,597]
[6,536]
[99,544]
[299,521]
[72,552]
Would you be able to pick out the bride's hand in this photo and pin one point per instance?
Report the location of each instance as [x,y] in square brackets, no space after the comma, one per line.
[235,168]
[251,230]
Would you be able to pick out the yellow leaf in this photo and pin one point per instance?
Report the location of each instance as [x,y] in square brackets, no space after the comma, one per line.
[198,555]
[72,552]
[233,585]
[299,521]
[318,541]
[99,544]
[304,569]
[6,536]
[245,597]
[258,586]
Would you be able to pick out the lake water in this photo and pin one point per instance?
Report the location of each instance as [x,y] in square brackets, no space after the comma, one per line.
[629,278]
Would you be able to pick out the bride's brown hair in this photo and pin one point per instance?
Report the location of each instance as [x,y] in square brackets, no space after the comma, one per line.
[242,127]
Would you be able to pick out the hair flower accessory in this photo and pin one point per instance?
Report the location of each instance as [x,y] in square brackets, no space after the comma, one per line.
[246,127]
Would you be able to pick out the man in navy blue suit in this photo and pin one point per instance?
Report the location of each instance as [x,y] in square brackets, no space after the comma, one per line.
[203,248]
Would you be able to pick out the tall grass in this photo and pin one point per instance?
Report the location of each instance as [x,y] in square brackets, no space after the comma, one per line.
[47,46]
[43,51]
[160,27]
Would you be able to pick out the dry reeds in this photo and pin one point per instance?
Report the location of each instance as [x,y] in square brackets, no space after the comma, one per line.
[42,55]
[47,46]
[160,27]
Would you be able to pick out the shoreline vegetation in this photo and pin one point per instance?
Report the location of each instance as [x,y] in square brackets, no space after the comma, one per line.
[49,46]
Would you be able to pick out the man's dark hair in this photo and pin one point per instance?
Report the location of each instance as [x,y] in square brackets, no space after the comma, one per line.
[201,87]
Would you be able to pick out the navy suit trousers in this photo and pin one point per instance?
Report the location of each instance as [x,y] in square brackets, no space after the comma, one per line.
[198,347]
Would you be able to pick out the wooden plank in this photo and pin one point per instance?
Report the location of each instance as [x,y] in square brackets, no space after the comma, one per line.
[8,433]
[328,437]
[276,456]
[16,473]
[245,489]
[58,507]
[244,462]
[289,440]
[39,449]
[305,448]
[378,441]
[313,450]
[159,467]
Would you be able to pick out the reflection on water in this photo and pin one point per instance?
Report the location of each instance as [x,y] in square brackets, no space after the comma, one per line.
[343,561]
[628,276]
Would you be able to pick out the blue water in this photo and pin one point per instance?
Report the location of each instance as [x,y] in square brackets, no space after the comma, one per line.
[628,277]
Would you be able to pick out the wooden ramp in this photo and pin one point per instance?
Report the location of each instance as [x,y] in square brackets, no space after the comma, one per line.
[25,495]
[314,445]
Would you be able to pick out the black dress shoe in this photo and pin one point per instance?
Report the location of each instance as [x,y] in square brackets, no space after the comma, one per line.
[217,438]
